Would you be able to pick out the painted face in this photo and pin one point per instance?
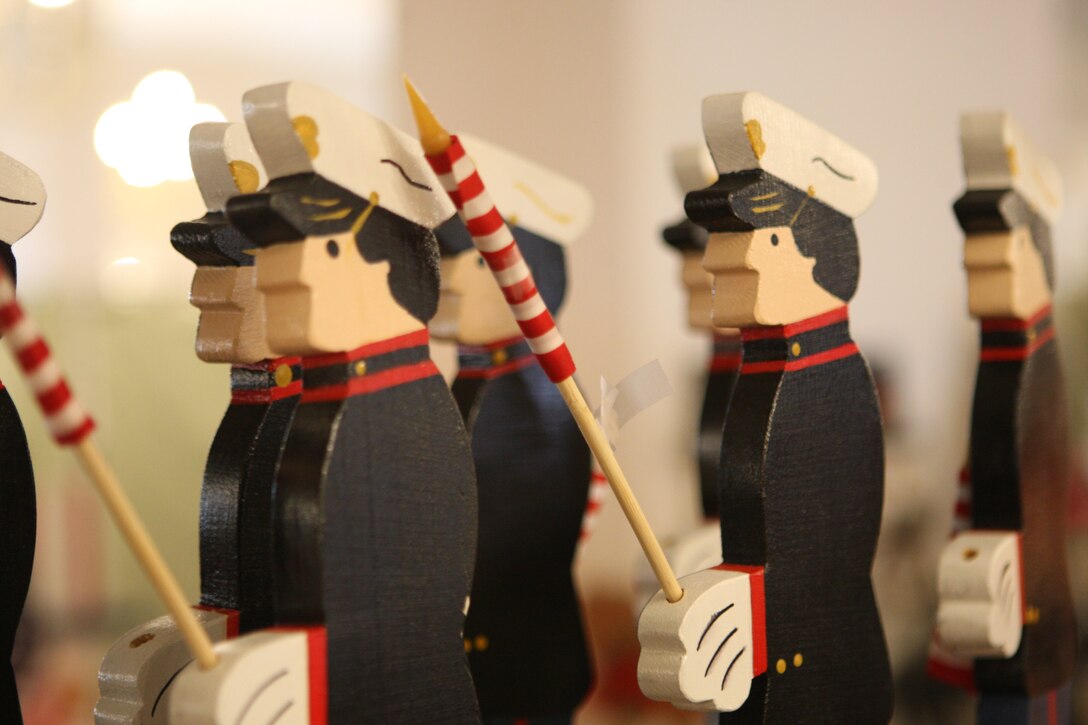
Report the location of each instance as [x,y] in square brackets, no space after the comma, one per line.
[232,315]
[322,296]
[1006,276]
[761,278]
[471,306]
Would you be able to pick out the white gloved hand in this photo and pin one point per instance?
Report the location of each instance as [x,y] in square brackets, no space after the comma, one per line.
[135,675]
[262,677]
[700,653]
[980,612]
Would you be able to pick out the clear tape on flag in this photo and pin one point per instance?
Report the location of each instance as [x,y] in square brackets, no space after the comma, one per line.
[629,397]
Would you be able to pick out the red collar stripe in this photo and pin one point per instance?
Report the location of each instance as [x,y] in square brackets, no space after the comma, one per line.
[1015,354]
[725,363]
[773,366]
[412,339]
[266,395]
[783,331]
[371,383]
[497,371]
[1012,324]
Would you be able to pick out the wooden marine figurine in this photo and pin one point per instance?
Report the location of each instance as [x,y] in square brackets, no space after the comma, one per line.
[375,505]
[1003,584]
[786,630]
[236,551]
[22,200]
[694,170]
[532,464]
[236,544]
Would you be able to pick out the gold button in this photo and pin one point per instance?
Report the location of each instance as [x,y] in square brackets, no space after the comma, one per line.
[780,666]
[1031,335]
[481,642]
[360,368]
[795,349]
[468,645]
[798,660]
[284,376]
[1031,616]
[498,357]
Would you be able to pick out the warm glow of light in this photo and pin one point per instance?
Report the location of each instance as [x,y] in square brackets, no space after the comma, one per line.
[51,3]
[146,138]
[125,262]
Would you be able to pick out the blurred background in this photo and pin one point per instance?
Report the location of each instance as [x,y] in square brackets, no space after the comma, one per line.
[600,91]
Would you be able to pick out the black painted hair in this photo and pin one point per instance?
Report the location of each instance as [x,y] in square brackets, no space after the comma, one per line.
[211,241]
[685,236]
[292,208]
[748,200]
[545,258]
[1000,210]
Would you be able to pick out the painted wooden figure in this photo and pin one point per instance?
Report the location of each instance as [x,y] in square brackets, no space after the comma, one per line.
[236,544]
[524,632]
[235,520]
[375,507]
[694,170]
[1003,583]
[787,629]
[22,201]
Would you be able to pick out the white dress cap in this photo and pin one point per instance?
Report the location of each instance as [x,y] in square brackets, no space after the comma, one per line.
[693,168]
[997,154]
[748,131]
[540,200]
[299,128]
[22,199]
[224,161]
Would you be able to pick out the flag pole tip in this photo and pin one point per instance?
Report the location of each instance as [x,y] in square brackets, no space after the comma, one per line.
[434,138]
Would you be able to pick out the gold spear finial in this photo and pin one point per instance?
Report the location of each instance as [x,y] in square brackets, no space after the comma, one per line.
[432,136]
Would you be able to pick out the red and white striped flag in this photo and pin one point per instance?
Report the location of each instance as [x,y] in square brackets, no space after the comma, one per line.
[459,177]
[66,418]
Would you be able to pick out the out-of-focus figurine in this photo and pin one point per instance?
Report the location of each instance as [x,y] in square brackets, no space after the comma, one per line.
[22,201]
[1003,583]
[524,632]
[694,170]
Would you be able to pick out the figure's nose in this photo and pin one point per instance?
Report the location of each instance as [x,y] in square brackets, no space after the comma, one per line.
[988,250]
[281,266]
[728,252]
[212,288]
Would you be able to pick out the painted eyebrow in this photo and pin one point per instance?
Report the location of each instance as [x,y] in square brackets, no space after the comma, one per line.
[405,175]
[18,201]
[831,168]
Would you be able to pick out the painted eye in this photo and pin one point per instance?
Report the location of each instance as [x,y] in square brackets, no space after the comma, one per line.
[774,240]
[480,262]
[333,248]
